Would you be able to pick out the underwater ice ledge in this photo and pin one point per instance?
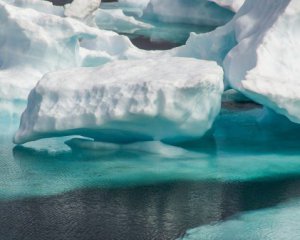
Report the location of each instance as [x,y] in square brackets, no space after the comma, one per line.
[240,149]
[276,223]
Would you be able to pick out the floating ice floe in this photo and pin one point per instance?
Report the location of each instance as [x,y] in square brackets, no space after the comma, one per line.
[172,99]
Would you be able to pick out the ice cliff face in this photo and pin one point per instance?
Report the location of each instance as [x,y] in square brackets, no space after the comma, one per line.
[172,99]
[257,50]
[264,63]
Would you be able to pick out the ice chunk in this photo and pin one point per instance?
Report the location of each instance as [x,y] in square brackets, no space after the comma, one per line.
[172,99]
[200,12]
[264,64]
[82,9]
[258,52]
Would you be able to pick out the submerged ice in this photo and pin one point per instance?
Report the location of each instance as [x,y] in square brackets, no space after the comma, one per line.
[277,223]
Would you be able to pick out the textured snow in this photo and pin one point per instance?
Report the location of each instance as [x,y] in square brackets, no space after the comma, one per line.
[172,99]
[199,12]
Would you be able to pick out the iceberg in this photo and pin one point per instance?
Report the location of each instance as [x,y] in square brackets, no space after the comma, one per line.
[33,43]
[264,65]
[258,52]
[168,99]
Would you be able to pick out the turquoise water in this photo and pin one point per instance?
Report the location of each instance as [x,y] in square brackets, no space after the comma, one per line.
[172,34]
[239,149]
[239,182]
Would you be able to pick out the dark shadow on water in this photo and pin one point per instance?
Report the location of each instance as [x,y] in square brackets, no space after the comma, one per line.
[160,211]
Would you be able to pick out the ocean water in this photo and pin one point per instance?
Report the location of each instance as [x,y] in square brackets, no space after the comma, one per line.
[246,169]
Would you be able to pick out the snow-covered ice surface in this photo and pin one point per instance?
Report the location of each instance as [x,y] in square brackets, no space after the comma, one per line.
[171,99]
[34,43]
[258,52]
[264,64]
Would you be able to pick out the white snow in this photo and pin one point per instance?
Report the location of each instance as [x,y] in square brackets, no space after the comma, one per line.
[33,43]
[172,99]
[258,50]
[264,65]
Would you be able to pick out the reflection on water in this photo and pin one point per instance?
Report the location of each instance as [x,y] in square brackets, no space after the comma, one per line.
[159,211]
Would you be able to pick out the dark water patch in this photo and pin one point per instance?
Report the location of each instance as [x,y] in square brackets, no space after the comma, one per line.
[147,44]
[163,211]
[63,2]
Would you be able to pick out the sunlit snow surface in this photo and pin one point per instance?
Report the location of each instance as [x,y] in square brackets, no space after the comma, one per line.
[241,149]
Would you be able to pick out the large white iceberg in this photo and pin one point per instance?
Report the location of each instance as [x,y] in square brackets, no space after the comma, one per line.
[258,50]
[264,64]
[172,99]
[116,20]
